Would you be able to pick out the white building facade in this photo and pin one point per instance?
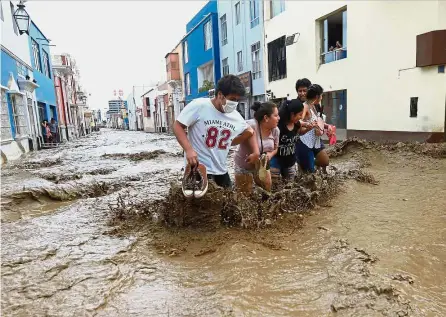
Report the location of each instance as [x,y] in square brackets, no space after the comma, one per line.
[375,86]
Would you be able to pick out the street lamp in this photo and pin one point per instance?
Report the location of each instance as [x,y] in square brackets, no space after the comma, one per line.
[22,19]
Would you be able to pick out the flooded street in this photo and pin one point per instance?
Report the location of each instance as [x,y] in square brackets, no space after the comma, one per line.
[373,250]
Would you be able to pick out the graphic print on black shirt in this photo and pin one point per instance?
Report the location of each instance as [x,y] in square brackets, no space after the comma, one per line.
[287,145]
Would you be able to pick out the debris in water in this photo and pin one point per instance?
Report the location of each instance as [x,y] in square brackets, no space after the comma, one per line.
[403,278]
[138,156]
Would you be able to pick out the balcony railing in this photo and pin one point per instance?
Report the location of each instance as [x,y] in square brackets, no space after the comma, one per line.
[335,55]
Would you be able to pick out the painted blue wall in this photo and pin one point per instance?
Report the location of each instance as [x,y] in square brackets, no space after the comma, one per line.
[9,65]
[240,38]
[196,48]
[46,92]
[210,7]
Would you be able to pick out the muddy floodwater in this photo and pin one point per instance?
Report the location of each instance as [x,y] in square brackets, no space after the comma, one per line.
[376,248]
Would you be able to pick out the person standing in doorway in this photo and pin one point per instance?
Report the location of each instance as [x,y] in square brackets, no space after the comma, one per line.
[54,129]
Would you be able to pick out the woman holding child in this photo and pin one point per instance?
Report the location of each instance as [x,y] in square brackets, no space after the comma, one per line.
[310,149]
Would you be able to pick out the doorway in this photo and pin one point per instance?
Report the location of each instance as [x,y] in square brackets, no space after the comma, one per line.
[335,108]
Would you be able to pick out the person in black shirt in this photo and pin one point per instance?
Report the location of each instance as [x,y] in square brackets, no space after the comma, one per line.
[283,163]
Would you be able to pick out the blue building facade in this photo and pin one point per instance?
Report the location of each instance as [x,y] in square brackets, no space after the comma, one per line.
[242,47]
[43,74]
[13,116]
[201,53]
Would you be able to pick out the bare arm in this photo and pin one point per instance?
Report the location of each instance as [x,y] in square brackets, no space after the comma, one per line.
[180,134]
[244,136]
[249,136]
[272,153]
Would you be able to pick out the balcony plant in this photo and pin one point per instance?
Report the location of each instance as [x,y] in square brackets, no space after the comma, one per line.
[207,85]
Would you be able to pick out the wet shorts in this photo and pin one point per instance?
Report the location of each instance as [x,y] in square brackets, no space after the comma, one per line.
[221,180]
[306,156]
[277,169]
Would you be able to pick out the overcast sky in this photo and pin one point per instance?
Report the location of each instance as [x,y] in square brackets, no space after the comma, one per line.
[117,44]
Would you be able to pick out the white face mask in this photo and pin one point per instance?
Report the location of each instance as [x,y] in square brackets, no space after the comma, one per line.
[229,106]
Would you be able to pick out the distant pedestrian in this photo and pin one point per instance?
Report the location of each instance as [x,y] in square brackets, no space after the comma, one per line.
[54,129]
[47,136]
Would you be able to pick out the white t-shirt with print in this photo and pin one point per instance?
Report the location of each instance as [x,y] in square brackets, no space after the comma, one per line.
[211,132]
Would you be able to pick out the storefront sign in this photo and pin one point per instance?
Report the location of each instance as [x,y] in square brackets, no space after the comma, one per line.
[246,79]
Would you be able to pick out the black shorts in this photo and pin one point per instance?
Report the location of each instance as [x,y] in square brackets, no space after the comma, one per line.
[221,180]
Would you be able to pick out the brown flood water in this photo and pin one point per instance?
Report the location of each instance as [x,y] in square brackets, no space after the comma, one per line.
[374,250]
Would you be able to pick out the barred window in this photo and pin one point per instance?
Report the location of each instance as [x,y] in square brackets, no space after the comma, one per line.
[36,55]
[256,64]
[18,113]
[5,123]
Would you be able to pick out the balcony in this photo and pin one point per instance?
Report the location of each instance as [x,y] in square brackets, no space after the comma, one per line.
[62,64]
[172,67]
[335,55]
[431,48]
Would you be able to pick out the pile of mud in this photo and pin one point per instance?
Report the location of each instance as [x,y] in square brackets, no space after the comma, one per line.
[36,164]
[60,192]
[224,207]
[139,156]
[66,176]
[435,150]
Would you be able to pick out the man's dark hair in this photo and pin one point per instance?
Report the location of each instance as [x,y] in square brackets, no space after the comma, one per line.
[230,84]
[304,82]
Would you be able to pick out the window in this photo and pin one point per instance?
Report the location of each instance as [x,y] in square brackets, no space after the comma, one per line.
[224,30]
[256,64]
[225,66]
[237,13]
[46,65]
[18,114]
[254,12]
[5,123]
[240,61]
[185,53]
[413,107]
[187,84]
[205,76]
[36,55]
[334,39]
[277,59]
[1,11]
[207,36]
[277,7]
[14,24]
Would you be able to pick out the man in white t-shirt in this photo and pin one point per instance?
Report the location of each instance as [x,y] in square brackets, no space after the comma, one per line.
[213,127]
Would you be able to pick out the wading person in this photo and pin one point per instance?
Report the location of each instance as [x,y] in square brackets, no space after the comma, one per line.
[266,119]
[302,88]
[283,163]
[213,126]
[310,149]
